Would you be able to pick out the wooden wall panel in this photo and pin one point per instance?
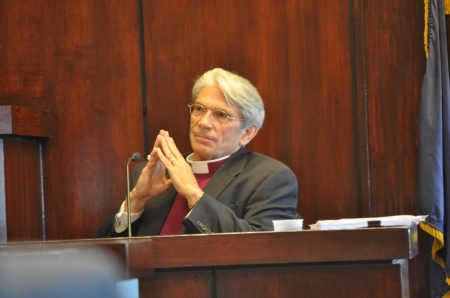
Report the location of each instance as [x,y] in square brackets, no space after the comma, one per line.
[395,64]
[297,53]
[24,212]
[81,61]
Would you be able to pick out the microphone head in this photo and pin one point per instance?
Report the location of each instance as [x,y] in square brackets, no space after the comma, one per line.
[136,156]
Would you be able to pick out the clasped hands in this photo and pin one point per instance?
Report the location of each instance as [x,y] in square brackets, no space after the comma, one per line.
[153,182]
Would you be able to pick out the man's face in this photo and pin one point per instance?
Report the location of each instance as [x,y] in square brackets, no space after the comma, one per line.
[211,139]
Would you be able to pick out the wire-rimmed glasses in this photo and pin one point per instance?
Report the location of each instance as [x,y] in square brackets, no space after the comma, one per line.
[197,111]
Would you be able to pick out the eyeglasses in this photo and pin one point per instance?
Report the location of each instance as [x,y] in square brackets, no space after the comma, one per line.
[198,111]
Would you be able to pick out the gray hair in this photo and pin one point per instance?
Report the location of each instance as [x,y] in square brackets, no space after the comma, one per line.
[238,92]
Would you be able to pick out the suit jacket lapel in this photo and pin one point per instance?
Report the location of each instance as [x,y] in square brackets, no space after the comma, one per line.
[226,173]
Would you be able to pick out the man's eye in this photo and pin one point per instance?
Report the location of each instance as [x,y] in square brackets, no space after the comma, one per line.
[220,114]
[199,109]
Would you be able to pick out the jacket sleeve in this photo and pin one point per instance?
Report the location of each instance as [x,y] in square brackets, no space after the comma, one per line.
[249,203]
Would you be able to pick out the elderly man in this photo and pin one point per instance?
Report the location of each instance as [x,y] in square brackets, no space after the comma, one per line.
[219,187]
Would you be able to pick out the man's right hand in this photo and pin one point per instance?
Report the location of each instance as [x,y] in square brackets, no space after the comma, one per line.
[151,183]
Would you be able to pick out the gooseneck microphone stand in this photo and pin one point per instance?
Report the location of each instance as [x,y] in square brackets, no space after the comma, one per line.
[135,157]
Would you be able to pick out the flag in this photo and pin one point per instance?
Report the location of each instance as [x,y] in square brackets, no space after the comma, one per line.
[434,147]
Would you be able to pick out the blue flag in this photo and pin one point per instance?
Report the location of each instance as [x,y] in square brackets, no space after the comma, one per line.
[434,147]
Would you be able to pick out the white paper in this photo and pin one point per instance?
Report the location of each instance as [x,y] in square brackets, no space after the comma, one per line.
[353,223]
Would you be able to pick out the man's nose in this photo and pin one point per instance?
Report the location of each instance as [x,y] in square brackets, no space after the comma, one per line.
[207,119]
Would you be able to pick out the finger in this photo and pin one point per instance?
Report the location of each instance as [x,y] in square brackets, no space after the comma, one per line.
[152,157]
[157,144]
[166,150]
[166,161]
[172,147]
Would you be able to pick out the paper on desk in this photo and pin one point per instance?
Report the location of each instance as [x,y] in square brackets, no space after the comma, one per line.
[352,223]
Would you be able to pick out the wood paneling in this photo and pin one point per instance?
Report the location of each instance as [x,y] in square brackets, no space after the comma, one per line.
[21,121]
[22,133]
[298,55]
[380,280]
[22,189]
[80,60]
[222,269]
[285,247]
[328,72]
[195,284]
[389,68]
[394,61]
[340,81]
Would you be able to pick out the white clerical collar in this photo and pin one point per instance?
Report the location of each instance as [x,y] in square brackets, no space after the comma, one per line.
[201,167]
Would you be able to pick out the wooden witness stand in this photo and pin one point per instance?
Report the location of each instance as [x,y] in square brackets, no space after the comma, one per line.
[370,262]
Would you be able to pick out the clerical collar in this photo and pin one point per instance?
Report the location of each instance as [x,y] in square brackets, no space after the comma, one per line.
[207,166]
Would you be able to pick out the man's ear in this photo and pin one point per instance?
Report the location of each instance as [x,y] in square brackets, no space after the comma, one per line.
[249,133]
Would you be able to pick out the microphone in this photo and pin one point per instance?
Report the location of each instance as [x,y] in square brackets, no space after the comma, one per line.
[134,157]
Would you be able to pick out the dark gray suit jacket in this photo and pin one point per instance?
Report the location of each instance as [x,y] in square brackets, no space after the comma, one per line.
[245,194]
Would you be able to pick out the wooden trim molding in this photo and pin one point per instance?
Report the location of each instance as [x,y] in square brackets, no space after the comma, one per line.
[22,121]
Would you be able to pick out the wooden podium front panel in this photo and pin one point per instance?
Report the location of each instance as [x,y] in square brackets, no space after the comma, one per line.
[195,284]
[369,279]
[351,263]
[358,280]
[340,263]
[307,246]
